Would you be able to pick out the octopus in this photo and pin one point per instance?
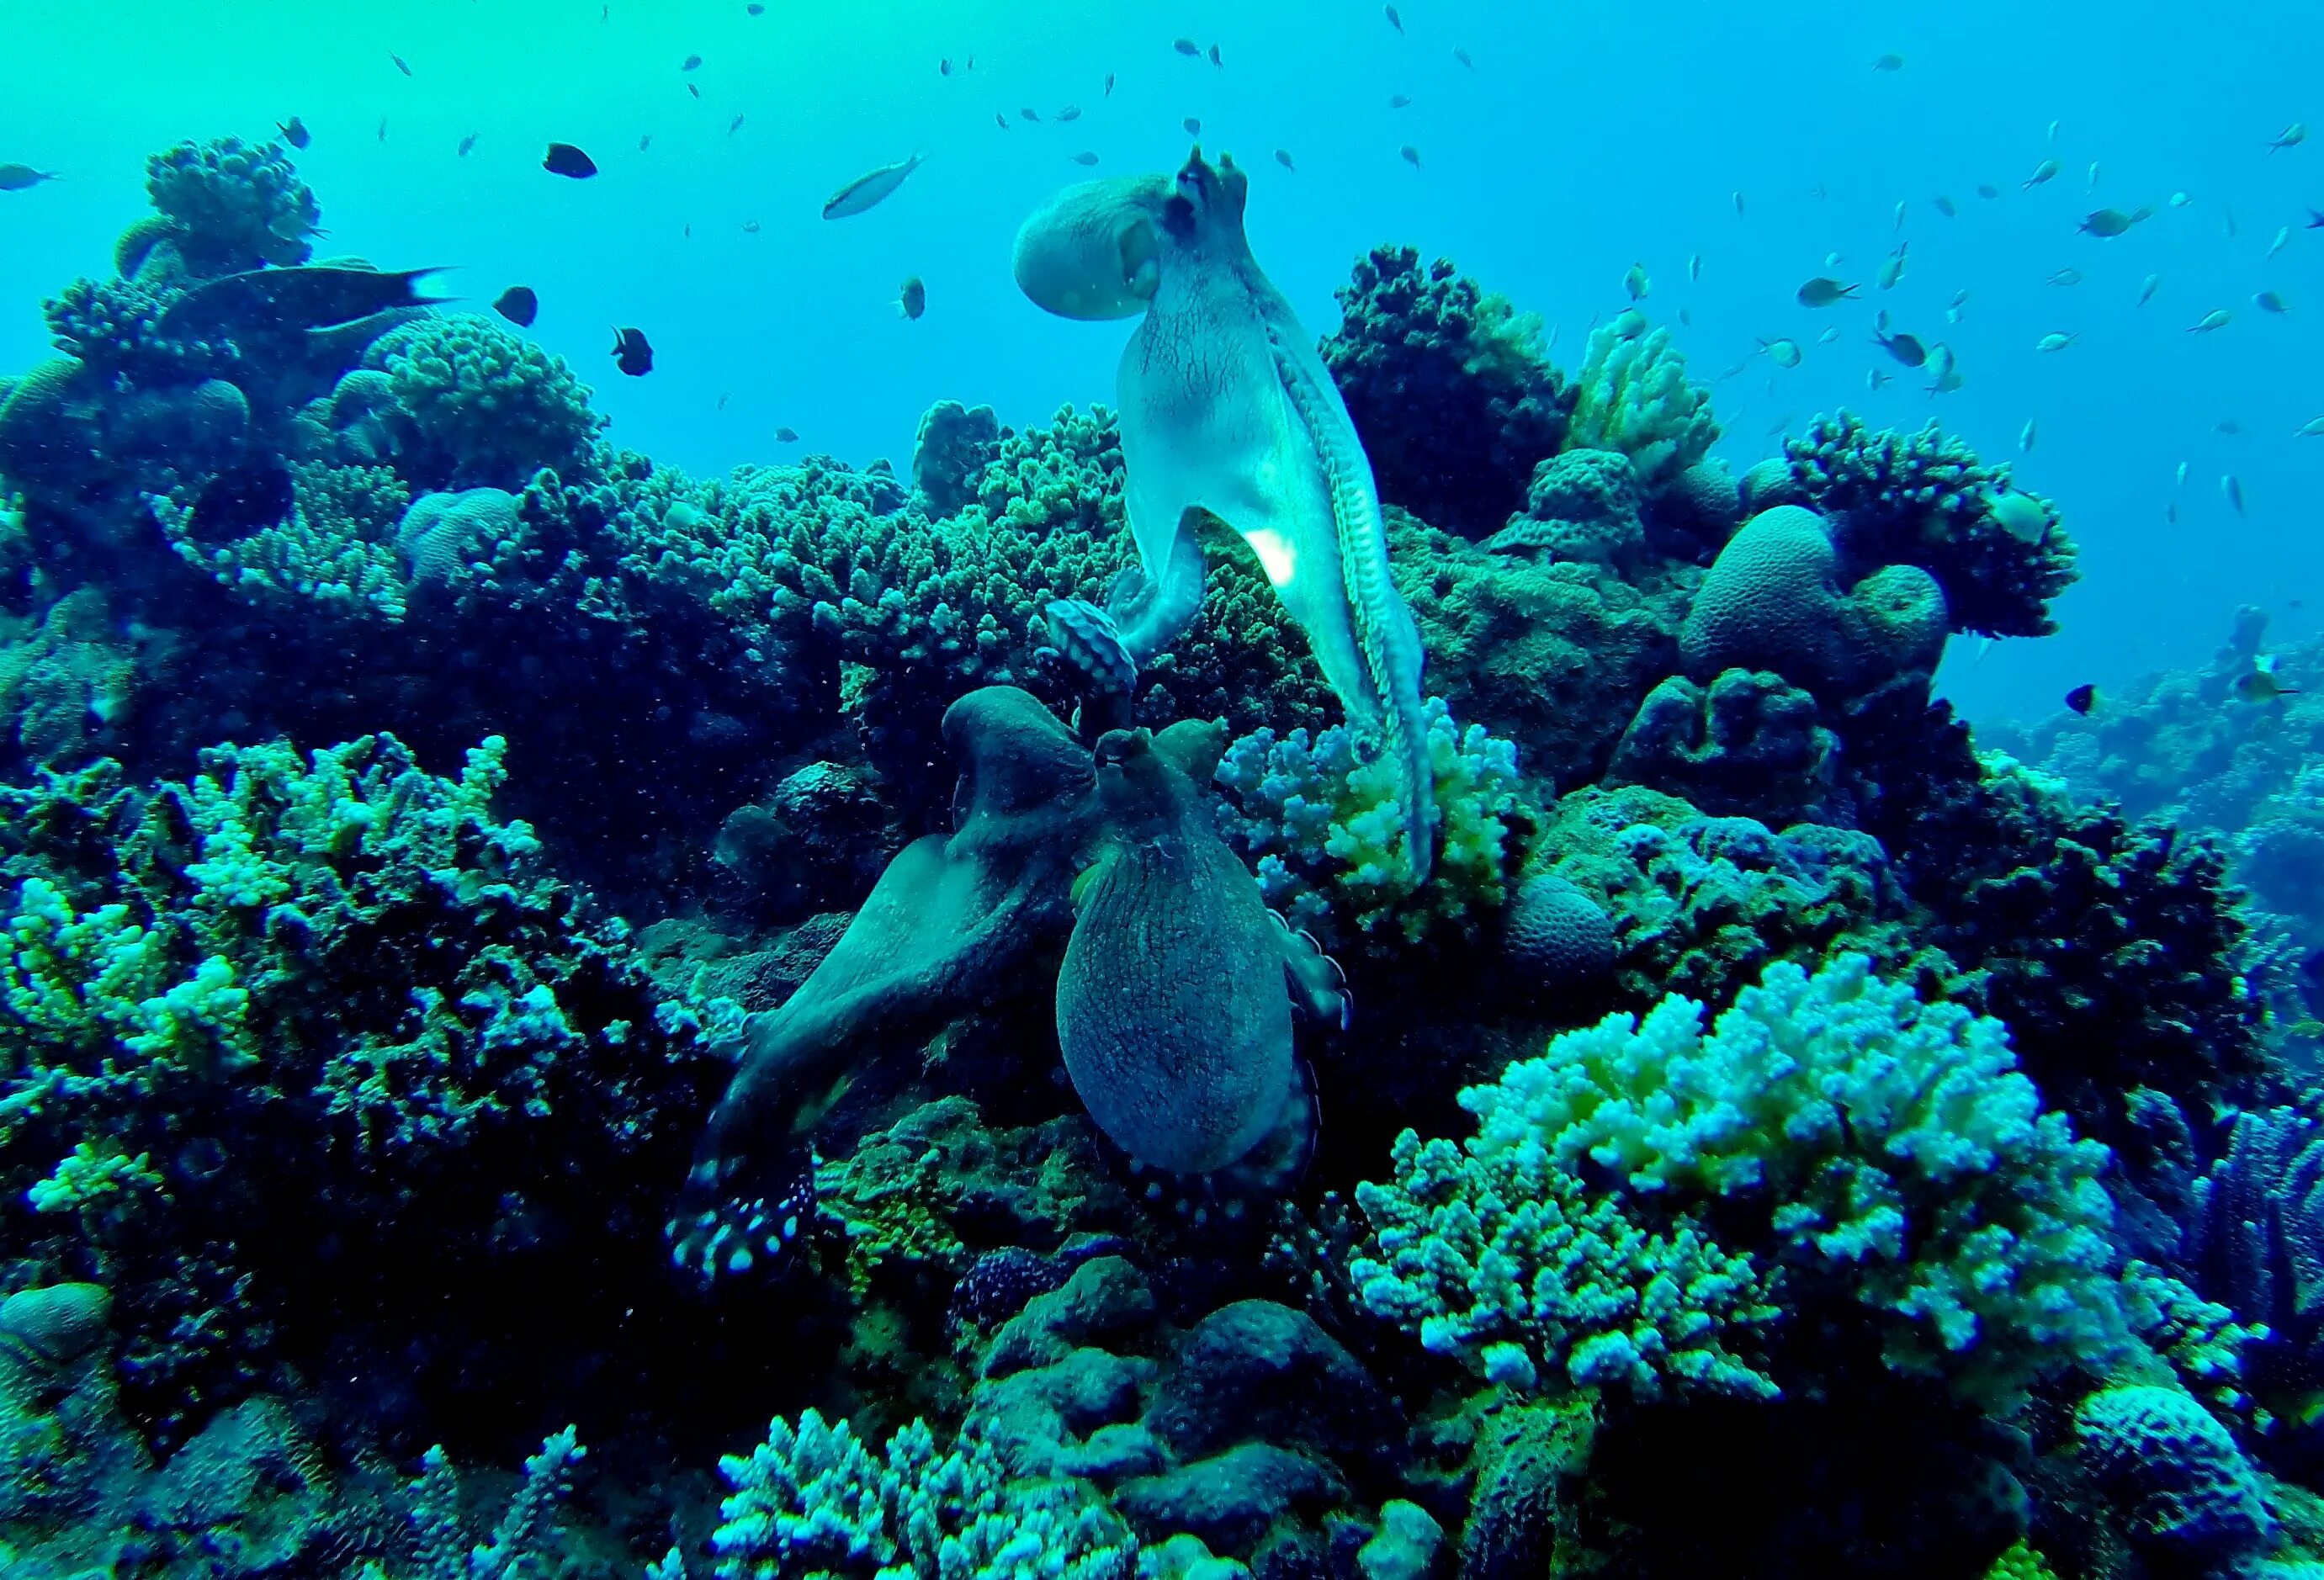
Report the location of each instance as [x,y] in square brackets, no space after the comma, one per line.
[1175,988]
[1227,411]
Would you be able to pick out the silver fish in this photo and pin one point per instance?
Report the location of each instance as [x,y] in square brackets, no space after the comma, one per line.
[866,191]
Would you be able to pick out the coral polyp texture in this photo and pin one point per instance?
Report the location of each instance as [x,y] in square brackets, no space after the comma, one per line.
[1536,1048]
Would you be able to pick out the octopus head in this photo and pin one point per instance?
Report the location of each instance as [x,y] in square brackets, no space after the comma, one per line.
[1206,201]
[1095,251]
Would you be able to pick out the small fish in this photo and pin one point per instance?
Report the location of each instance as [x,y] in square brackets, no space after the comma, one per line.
[2259,685]
[2070,275]
[1944,370]
[17,178]
[1070,112]
[2180,200]
[1783,354]
[1109,85]
[2180,477]
[1985,189]
[1461,55]
[2216,319]
[400,63]
[383,128]
[724,396]
[2316,219]
[912,300]
[1822,292]
[645,142]
[754,9]
[1085,158]
[1409,154]
[2229,218]
[2025,437]
[1828,335]
[1960,298]
[1188,48]
[2314,428]
[2227,426]
[750,227]
[2053,135]
[294,131]
[1943,205]
[467,145]
[565,159]
[1396,101]
[246,498]
[2082,699]
[1628,325]
[1283,157]
[1738,204]
[2292,136]
[1893,268]
[1899,224]
[1215,60]
[2055,341]
[691,63]
[1905,348]
[1000,120]
[2283,237]
[2232,487]
[1034,115]
[1394,20]
[695,89]
[866,190]
[944,66]
[1873,379]
[518,305]
[1888,63]
[630,352]
[1686,317]
[784,435]
[2268,301]
[2094,176]
[2146,291]
[736,124]
[2104,222]
[2046,171]
[1636,281]
[1193,127]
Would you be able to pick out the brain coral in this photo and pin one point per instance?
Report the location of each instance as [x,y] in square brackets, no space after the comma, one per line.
[1772,601]
[2175,1468]
[480,405]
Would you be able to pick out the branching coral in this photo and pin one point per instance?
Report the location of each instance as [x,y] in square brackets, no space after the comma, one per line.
[1884,1148]
[1632,396]
[1923,500]
[236,206]
[481,405]
[1324,828]
[1449,388]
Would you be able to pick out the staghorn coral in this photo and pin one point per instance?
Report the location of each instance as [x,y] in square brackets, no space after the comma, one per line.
[480,405]
[235,205]
[1923,500]
[1632,396]
[1889,1152]
[1450,391]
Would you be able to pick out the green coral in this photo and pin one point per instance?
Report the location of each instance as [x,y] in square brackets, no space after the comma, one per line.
[334,558]
[1065,476]
[1883,1147]
[1323,824]
[1632,396]
[480,405]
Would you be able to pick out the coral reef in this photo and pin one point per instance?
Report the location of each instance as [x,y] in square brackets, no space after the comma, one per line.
[1454,401]
[1632,397]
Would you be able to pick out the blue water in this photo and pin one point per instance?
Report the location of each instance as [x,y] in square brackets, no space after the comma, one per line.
[1585,139]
